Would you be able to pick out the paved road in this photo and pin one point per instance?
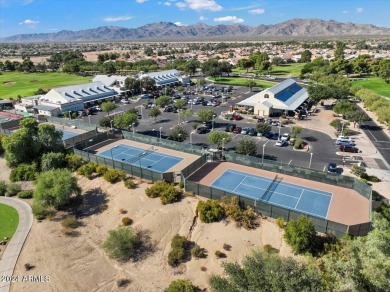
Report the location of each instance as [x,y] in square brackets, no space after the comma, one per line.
[378,137]
[12,251]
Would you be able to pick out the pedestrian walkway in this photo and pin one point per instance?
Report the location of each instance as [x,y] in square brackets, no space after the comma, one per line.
[15,245]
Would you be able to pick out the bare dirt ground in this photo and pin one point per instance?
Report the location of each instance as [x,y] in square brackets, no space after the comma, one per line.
[79,263]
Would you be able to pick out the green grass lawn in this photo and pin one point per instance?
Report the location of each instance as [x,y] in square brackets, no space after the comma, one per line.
[285,70]
[375,84]
[13,84]
[9,220]
[241,81]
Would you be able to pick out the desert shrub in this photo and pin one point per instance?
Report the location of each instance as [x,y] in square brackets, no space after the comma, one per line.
[220,254]
[198,252]
[358,170]
[181,184]
[181,285]
[126,221]
[231,208]
[178,253]
[101,169]
[122,244]
[52,160]
[130,184]
[300,234]
[123,283]
[364,175]
[70,222]
[28,194]
[364,181]
[373,178]
[112,175]
[269,249]
[166,191]
[28,267]
[210,211]
[227,247]
[248,219]
[203,268]
[24,172]
[87,170]
[39,211]
[298,143]
[122,211]
[281,222]
[3,187]
[376,196]
[13,189]
[73,161]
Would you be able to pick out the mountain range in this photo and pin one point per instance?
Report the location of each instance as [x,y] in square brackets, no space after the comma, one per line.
[171,31]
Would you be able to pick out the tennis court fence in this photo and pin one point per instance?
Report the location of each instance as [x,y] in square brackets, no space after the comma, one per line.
[71,123]
[68,143]
[269,210]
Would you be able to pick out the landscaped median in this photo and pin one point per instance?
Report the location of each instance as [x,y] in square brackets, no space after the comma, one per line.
[241,81]
[9,220]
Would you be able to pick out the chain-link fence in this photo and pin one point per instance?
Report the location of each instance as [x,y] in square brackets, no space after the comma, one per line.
[269,210]
[71,123]
[79,138]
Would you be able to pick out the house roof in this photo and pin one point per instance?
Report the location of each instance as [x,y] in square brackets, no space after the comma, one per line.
[109,80]
[43,107]
[163,77]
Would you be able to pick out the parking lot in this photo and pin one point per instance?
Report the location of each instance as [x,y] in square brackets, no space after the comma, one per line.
[322,149]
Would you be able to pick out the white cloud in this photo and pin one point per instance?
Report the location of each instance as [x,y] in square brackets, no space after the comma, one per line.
[233,19]
[203,5]
[117,18]
[202,18]
[141,1]
[345,12]
[257,11]
[178,23]
[167,3]
[181,5]
[29,22]
[359,10]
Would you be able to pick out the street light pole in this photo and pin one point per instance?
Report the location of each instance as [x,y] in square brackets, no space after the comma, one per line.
[262,157]
[178,117]
[223,142]
[112,157]
[89,118]
[133,126]
[139,160]
[111,126]
[279,133]
[311,156]
[160,133]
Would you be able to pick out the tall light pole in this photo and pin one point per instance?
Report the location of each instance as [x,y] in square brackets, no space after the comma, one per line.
[139,160]
[178,117]
[133,126]
[342,128]
[212,124]
[70,115]
[279,133]
[262,157]
[311,156]
[223,142]
[160,133]
[154,131]
[89,118]
[112,157]
[111,126]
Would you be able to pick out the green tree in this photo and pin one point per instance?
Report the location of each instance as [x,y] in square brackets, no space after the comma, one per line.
[52,160]
[318,92]
[132,85]
[31,125]
[149,84]
[49,137]
[55,188]
[105,122]
[206,115]
[2,136]
[263,128]
[344,106]
[178,134]
[217,138]
[356,116]
[179,103]
[108,106]
[300,234]
[250,84]
[181,285]
[306,56]
[246,147]
[185,114]
[126,120]
[73,162]
[339,51]
[163,101]
[122,244]
[154,113]
[210,211]
[277,61]
[295,130]
[262,271]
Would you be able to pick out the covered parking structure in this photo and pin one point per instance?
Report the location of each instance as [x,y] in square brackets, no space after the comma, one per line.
[167,77]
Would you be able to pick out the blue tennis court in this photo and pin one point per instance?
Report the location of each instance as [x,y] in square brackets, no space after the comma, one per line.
[146,158]
[68,134]
[274,191]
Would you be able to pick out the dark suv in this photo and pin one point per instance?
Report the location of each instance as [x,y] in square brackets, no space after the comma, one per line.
[346,148]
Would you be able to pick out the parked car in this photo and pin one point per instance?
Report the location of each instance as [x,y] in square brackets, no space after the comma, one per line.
[208,124]
[245,131]
[237,117]
[275,123]
[332,167]
[252,132]
[348,148]
[345,143]
[275,136]
[285,137]
[201,130]
[170,109]
[230,128]
[205,102]
[268,135]
[237,130]
[268,121]
[281,143]
[126,101]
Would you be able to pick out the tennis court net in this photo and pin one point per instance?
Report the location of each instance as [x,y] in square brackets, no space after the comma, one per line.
[269,188]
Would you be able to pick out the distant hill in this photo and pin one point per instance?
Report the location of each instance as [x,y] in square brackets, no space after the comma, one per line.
[169,31]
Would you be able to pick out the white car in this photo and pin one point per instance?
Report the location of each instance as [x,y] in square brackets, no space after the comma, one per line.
[281,143]
[285,137]
[125,101]
[346,143]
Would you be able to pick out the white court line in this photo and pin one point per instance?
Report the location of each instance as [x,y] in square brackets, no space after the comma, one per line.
[283,194]
[239,183]
[299,199]
[327,212]
[289,162]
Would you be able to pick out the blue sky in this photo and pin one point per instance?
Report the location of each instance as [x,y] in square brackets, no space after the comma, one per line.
[42,16]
